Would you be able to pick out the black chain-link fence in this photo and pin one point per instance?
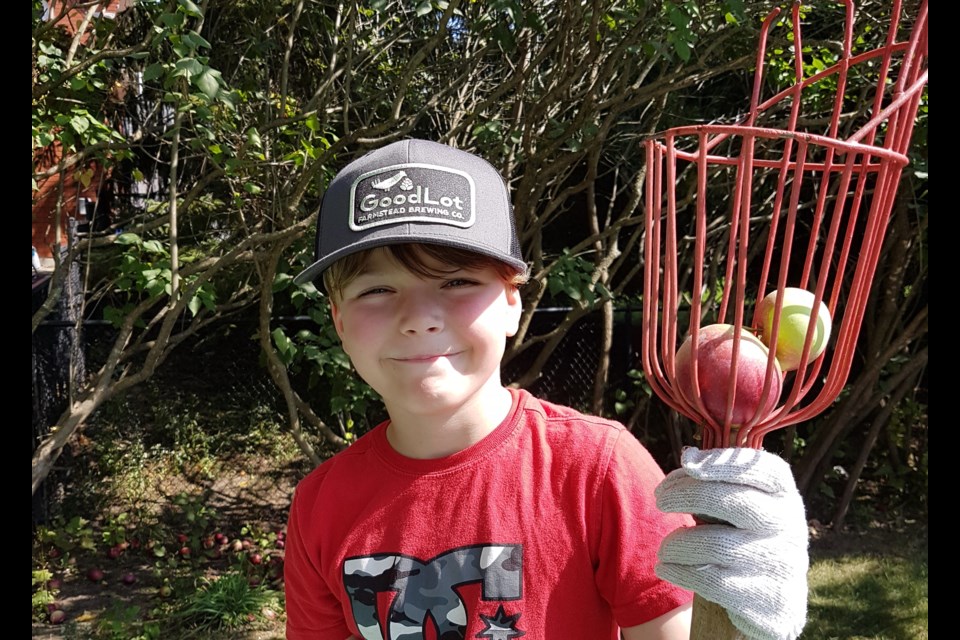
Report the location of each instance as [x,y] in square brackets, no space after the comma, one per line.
[226,371]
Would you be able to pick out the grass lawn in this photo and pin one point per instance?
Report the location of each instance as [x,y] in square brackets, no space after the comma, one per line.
[868,585]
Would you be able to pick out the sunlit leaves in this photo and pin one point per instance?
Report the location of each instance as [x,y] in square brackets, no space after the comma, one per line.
[571,277]
[423,8]
[681,35]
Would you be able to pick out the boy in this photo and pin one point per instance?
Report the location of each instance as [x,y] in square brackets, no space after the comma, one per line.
[479,511]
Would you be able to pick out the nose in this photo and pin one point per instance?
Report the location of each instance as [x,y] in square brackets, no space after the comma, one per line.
[419,314]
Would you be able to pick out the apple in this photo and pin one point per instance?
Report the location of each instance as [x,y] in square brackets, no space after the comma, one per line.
[94,575]
[714,363]
[129,578]
[57,616]
[794,319]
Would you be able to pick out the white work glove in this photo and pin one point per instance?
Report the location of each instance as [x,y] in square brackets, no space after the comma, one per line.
[755,567]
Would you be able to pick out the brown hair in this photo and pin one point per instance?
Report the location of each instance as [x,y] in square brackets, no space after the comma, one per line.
[412,256]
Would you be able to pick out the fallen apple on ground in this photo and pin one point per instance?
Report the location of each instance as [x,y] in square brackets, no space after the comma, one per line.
[794,319]
[714,368]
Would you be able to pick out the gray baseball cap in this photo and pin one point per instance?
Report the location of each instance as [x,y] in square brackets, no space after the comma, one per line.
[415,191]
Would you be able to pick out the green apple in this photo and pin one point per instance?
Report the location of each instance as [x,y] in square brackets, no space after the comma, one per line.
[795,317]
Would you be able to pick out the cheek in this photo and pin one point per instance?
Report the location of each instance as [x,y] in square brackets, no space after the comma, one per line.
[493,321]
[358,328]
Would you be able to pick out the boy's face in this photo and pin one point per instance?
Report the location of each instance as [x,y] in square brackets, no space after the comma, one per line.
[426,345]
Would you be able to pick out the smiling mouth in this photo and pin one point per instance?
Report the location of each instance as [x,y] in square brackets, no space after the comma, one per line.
[426,358]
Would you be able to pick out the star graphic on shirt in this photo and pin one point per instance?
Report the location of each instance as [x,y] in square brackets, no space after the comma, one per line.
[500,626]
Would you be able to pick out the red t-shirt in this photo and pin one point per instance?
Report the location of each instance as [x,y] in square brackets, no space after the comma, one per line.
[547,528]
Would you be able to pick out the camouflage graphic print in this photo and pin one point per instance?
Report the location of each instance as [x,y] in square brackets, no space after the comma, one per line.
[426,590]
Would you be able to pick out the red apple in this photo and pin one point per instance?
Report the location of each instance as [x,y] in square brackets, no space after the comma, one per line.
[129,578]
[94,575]
[57,616]
[714,363]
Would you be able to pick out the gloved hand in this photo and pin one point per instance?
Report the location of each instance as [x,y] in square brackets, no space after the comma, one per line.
[755,567]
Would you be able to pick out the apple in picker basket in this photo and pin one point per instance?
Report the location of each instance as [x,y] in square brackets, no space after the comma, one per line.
[714,360]
[794,318]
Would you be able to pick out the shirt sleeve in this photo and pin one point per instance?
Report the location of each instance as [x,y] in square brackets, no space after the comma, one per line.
[631,530]
[312,608]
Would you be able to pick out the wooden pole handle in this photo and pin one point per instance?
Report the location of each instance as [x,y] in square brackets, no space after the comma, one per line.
[710,622]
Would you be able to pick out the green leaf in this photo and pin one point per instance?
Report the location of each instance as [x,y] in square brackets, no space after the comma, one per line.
[286,348]
[190,8]
[154,246]
[682,47]
[114,316]
[196,40]
[208,82]
[172,20]
[80,123]
[282,281]
[188,67]
[128,238]
[606,293]
[424,8]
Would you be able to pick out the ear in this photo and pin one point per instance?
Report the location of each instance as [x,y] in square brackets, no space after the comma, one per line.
[337,319]
[514,309]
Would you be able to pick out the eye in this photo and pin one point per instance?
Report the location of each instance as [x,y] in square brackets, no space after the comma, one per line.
[372,291]
[457,283]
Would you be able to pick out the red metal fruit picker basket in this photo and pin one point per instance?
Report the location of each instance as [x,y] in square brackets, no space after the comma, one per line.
[766,209]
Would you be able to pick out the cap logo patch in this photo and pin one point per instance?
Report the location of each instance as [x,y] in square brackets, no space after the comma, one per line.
[414,192]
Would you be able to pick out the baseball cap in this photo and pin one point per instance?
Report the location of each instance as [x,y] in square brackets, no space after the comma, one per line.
[415,191]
